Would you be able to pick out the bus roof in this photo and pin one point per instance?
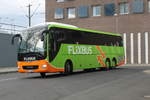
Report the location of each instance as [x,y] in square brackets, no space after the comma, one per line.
[62,25]
[51,23]
[81,29]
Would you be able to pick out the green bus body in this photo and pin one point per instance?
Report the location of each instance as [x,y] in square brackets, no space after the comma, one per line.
[86,56]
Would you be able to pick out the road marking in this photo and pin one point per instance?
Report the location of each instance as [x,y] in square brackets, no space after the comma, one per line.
[100,86]
[147,96]
[147,71]
[8,79]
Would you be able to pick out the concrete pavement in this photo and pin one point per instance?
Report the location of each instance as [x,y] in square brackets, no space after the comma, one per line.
[124,83]
[14,69]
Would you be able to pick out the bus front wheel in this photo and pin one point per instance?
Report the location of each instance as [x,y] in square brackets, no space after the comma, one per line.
[68,68]
[43,75]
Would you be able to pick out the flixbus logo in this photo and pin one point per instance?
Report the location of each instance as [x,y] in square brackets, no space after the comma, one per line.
[79,50]
[29,58]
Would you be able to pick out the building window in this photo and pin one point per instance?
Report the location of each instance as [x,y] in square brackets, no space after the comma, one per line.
[71,13]
[109,9]
[60,0]
[59,13]
[83,11]
[124,8]
[96,10]
[148,5]
[138,6]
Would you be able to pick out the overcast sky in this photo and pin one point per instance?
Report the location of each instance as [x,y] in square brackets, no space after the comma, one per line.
[15,11]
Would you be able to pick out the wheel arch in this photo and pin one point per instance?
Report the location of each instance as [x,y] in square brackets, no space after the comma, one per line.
[107,59]
[114,59]
[70,61]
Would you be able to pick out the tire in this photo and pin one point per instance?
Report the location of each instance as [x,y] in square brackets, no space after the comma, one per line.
[114,63]
[68,68]
[108,64]
[43,75]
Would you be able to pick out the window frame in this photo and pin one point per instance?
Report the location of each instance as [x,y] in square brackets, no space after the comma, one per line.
[94,11]
[60,1]
[74,12]
[148,5]
[137,7]
[107,9]
[81,8]
[61,16]
[125,8]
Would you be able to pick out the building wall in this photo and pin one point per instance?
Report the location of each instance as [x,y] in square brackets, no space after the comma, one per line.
[8,52]
[128,23]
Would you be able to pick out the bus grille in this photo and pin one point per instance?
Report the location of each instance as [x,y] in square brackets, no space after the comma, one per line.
[30,67]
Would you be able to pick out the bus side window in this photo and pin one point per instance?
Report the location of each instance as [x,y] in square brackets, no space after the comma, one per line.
[112,44]
[60,37]
[117,43]
[121,42]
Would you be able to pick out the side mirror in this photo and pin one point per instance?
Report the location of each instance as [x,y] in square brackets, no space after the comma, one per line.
[42,37]
[43,34]
[13,38]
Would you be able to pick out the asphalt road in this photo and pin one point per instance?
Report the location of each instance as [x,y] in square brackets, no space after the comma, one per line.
[124,83]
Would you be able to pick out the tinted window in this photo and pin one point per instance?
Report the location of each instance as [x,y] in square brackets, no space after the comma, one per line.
[83,37]
[58,13]
[109,9]
[83,11]
[138,6]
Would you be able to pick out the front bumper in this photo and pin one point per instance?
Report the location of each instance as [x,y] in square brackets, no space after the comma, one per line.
[30,69]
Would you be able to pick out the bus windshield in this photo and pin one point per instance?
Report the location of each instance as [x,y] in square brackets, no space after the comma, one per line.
[31,41]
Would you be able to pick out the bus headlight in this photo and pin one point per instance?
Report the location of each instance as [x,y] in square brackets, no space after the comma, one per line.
[18,67]
[44,66]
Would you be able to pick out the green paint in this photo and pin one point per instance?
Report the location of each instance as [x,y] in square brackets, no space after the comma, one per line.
[81,61]
[85,56]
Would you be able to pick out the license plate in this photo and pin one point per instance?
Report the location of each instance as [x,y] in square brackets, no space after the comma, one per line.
[30,71]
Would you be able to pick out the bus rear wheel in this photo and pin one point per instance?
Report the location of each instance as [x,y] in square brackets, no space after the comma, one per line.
[114,63]
[43,75]
[68,68]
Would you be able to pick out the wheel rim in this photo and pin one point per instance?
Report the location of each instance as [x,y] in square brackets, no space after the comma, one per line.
[108,65]
[114,63]
[68,68]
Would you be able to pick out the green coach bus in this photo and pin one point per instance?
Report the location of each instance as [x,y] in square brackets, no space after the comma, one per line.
[57,47]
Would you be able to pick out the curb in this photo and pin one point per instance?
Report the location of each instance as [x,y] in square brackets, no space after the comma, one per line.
[6,72]
[140,65]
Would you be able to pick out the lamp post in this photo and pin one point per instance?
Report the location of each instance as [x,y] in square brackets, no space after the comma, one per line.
[116,22]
